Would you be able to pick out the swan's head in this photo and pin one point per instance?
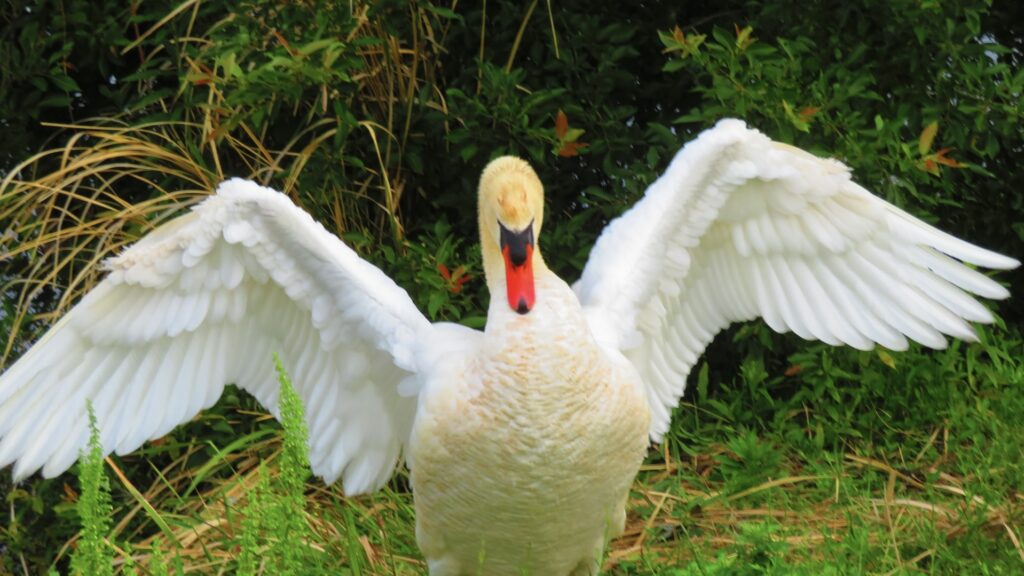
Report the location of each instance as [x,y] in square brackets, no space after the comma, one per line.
[511,211]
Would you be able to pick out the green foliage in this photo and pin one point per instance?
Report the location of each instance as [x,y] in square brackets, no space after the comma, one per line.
[249,543]
[748,461]
[758,550]
[502,119]
[839,429]
[56,61]
[129,567]
[449,273]
[157,562]
[275,535]
[158,565]
[93,555]
[925,105]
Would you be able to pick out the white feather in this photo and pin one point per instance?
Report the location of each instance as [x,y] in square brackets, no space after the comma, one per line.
[205,299]
[778,234]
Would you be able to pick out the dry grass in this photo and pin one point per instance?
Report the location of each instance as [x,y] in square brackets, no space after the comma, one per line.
[67,208]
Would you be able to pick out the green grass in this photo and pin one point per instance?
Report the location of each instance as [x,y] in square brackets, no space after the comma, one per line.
[926,477]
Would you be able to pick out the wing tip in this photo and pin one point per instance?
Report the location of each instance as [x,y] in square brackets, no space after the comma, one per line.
[22,469]
[999,292]
[985,258]
[1004,262]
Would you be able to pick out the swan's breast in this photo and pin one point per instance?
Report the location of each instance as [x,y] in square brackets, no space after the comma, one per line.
[530,447]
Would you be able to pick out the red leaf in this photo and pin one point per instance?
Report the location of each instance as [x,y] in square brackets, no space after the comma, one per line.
[677,33]
[283,42]
[561,125]
[743,38]
[941,158]
[808,111]
[456,286]
[793,370]
[444,271]
[570,149]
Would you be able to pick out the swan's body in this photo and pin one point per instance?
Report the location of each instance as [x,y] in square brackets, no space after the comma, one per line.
[499,447]
[522,440]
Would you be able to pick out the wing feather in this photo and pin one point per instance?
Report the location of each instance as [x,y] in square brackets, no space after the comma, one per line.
[741,227]
[204,301]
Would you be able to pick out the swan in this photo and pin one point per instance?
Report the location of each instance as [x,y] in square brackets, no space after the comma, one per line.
[522,440]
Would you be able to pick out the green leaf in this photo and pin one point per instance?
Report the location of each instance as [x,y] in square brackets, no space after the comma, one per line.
[477,322]
[467,152]
[743,37]
[573,134]
[55,101]
[65,82]
[795,119]
[434,303]
[673,65]
[886,359]
[151,98]
[693,117]
[318,45]
[442,11]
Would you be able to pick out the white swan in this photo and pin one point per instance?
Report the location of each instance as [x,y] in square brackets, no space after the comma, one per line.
[523,439]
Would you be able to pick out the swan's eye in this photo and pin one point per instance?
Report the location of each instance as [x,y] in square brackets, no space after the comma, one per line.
[516,242]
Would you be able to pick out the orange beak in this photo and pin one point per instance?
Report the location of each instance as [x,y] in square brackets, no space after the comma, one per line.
[517,249]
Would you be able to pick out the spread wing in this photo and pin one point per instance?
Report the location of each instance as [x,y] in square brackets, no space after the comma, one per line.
[741,227]
[206,300]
